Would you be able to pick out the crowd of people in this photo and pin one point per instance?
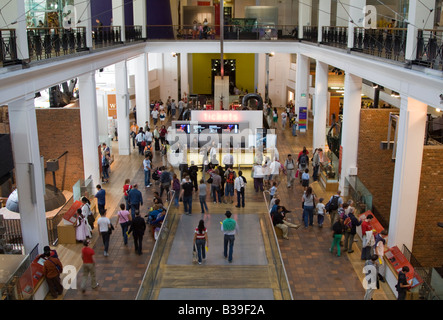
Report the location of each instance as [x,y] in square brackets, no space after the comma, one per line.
[221,183]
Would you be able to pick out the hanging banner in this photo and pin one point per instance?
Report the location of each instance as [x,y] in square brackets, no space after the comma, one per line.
[302,119]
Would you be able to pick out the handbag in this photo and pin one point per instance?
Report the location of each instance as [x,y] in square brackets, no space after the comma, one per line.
[110,229]
[209,180]
[194,255]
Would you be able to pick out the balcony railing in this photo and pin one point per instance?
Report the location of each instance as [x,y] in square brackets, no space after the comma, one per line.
[310,33]
[230,32]
[335,36]
[389,43]
[430,48]
[8,47]
[45,43]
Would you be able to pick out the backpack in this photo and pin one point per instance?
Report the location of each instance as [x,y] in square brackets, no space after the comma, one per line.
[176,184]
[230,178]
[303,160]
[347,223]
[332,204]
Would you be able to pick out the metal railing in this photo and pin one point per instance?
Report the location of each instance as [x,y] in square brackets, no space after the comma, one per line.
[45,43]
[147,288]
[335,36]
[310,33]
[8,46]
[430,48]
[426,292]
[230,31]
[282,277]
[389,43]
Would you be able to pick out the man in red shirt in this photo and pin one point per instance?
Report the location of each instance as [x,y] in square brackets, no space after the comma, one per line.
[366,226]
[88,266]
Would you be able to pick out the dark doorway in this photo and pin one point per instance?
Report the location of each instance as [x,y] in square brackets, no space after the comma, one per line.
[229,71]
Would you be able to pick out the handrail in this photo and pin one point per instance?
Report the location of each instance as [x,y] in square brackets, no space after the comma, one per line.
[276,242]
[154,250]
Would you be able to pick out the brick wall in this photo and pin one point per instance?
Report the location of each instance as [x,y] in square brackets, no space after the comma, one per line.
[375,167]
[428,237]
[59,131]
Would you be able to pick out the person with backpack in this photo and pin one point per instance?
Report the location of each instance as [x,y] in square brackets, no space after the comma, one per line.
[303,162]
[230,176]
[332,206]
[290,170]
[350,225]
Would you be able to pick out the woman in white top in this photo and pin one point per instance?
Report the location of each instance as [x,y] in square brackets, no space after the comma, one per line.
[87,213]
[82,230]
[139,138]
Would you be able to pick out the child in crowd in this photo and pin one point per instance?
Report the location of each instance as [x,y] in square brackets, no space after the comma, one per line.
[320,212]
[273,189]
[305,179]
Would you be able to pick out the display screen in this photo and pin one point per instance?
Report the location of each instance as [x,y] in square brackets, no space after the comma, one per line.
[229,128]
[182,128]
[198,128]
[213,128]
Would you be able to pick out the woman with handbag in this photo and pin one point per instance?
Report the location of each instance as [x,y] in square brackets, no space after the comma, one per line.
[201,241]
[125,220]
[308,205]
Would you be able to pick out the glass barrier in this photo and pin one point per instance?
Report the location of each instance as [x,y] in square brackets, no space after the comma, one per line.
[359,193]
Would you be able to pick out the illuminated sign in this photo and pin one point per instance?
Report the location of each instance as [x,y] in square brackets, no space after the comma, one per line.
[220,116]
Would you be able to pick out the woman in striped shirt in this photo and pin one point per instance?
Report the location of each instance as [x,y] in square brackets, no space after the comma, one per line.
[200,240]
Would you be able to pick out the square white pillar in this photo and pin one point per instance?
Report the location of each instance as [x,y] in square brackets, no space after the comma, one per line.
[320,104]
[304,16]
[118,16]
[350,128]
[89,125]
[28,173]
[301,88]
[122,100]
[408,161]
[221,92]
[356,18]
[324,16]
[140,15]
[142,89]
[83,18]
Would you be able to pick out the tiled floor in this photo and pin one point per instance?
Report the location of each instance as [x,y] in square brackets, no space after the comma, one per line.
[313,272]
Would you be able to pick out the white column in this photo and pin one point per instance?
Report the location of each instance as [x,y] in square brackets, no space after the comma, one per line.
[321,104]
[83,18]
[409,156]
[13,17]
[122,100]
[304,15]
[142,99]
[301,84]
[419,17]
[28,172]
[184,74]
[342,18]
[350,128]
[356,19]
[118,16]
[261,73]
[140,15]
[324,16]
[89,125]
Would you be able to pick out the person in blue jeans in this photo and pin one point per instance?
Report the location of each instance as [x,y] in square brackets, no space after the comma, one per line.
[202,193]
[229,227]
[176,188]
[101,198]
[201,240]
[135,199]
[308,207]
[125,219]
[147,166]
[186,193]
[294,123]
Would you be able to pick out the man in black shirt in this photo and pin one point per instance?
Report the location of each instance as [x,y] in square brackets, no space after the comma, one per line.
[402,284]
[186,194]
[138,227]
